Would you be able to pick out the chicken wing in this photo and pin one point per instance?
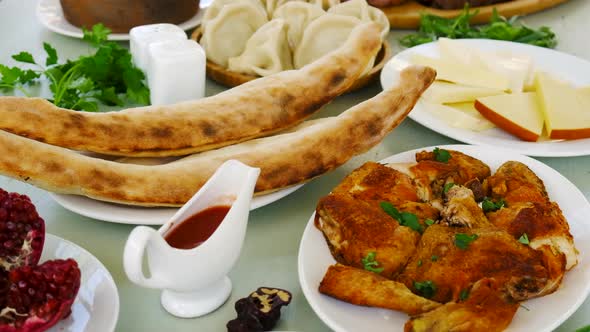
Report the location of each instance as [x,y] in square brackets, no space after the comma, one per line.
[366,288]
[515,182]
[353,229]
[485,309]
[430,175]
[529,212]
[450,259]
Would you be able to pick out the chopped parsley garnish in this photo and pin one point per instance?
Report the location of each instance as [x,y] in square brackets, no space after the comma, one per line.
[464,295]
[524,239]
[441,155]
[447,187]
[404,218]
[429,222]
[433,27]
[108,76]
[462,241]
[490,206]
[419,262]
[425,288]
[434,258]
[370,264]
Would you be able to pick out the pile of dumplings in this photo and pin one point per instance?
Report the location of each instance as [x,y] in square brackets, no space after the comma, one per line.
[263,37]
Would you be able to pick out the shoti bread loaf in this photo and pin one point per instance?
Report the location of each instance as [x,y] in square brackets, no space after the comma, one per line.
[255,109]
[285,159]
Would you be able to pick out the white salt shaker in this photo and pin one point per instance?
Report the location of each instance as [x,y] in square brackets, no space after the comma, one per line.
[141,37]
[176,71]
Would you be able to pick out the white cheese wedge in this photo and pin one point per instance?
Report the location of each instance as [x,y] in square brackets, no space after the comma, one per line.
[445,92]
[517,113]
[566,111]
[518,69]
[460,73]
[456,117]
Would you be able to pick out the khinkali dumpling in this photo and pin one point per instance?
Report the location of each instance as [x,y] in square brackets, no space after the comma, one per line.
[225,35]
[215,8]
[323,35]
[297,15]
[272,5]
[361,10]
[267,51]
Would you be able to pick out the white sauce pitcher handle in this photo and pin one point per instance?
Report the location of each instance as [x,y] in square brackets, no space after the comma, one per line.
[133,257]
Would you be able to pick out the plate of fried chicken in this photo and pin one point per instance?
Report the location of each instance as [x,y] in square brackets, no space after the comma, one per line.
[457,237]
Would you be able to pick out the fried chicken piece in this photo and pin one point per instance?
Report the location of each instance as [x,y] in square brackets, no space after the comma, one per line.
[486,309]
[462,210]
[542,223]
[366,288]
[430,176]
[374,182]
[354,228]
[530,212]
[453,258]
[515,183]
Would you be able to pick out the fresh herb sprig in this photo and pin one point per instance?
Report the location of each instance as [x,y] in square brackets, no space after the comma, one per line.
[488,205]
[370,263]
[425,288]
[404,218]
[107,76]
[433,27]
[462,241]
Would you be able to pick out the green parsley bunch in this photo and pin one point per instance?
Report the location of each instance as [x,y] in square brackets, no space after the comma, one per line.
[108,76]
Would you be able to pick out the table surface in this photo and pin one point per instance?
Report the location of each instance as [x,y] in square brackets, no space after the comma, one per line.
[269,254]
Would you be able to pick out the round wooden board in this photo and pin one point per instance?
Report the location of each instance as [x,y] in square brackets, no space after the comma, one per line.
[230,79]
[407,16]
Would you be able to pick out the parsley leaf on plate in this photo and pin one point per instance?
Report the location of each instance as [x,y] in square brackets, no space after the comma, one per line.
[441,155]
[524,239]
[404,218]
[462,241]
[370,264]
[425,288]
[490,206]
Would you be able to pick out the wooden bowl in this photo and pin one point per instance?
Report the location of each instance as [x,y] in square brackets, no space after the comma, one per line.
[407,15]
[122,15]
[231,79]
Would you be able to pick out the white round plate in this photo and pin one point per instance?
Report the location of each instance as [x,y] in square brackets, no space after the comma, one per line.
[543,314]
[563,66]
[137,215]
[51,15]
[96,307]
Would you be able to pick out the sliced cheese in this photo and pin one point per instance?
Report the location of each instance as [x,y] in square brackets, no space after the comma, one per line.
[445,92]
[517,113]
[457,72]
[458,118]
[518,69]
[565,109]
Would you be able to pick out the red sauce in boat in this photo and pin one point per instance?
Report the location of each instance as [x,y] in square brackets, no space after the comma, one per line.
[197,228]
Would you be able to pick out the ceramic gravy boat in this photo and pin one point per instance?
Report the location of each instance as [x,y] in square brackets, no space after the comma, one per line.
[194,281]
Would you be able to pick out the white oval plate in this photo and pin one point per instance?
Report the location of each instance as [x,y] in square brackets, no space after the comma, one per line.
[564,66]
[543,314]
[51,15]
[96,307]
[137,215]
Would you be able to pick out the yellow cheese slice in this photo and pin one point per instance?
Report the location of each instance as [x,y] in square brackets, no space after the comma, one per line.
[516,68]
[518,114]
[457,72]
[565,109]
[445,92]
[458,118]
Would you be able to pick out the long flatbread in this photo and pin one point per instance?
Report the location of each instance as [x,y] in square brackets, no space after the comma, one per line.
[284,159]
[255,109]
